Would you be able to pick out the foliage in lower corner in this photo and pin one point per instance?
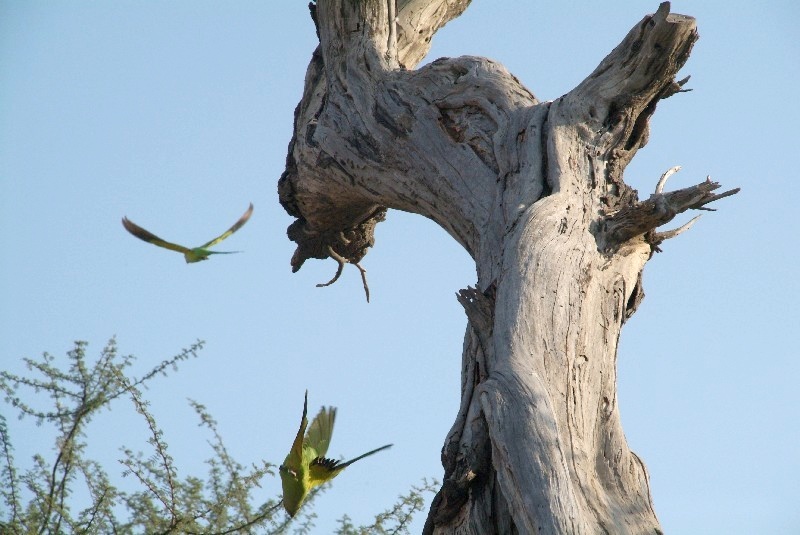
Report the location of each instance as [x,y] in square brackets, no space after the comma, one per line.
[47,497]
[41,499]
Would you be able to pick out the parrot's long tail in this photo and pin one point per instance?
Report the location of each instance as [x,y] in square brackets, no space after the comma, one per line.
[351,461]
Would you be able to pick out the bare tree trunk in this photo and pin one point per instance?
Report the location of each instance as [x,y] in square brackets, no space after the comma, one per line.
[535,193]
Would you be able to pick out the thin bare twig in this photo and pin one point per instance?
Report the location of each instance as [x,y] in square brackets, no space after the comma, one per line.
[342,261]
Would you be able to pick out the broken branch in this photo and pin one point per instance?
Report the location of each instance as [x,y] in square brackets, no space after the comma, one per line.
[646,216]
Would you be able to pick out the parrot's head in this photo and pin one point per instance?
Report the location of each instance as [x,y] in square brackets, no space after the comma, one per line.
[293,489]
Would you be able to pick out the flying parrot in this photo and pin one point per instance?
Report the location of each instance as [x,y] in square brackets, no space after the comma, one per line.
[306,466]
[191,255]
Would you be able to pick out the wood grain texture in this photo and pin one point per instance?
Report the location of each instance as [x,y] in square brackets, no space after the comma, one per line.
[535,192]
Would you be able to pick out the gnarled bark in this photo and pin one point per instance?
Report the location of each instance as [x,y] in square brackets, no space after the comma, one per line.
[534,191]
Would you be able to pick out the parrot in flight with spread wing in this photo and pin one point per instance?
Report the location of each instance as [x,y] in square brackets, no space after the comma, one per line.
[191,255]
[306,466]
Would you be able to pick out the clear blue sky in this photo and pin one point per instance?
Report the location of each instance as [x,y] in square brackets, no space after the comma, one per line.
[177,114]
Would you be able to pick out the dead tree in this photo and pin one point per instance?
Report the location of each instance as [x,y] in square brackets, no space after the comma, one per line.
[534,191]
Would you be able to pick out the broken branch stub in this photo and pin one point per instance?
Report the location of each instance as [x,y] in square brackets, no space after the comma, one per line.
[642,218]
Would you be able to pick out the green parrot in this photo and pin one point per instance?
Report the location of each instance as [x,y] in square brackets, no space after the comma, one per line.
[191,255]
[306,466]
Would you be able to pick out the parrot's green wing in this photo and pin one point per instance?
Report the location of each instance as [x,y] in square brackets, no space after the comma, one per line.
[149,237]
[294,470]
[320,431]
[236,226]
[296,453]
[323,469]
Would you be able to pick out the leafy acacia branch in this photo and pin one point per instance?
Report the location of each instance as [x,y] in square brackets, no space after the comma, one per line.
[86,389]
[41,499]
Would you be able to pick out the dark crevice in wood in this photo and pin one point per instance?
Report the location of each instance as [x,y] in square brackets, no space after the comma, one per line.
[635,299]
[547,186]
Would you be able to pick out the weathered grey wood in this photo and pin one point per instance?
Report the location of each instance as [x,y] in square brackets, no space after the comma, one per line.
[534,191]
